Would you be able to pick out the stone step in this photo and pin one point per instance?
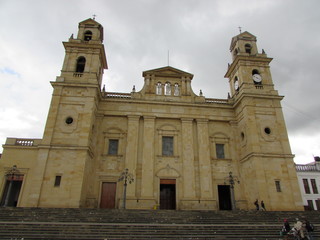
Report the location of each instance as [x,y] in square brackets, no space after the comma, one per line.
[141,231]
[51,223]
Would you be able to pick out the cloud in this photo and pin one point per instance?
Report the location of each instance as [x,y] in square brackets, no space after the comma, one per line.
[138,35]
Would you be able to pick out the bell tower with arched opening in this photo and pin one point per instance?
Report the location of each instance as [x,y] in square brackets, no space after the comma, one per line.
[67,145]
[264,154]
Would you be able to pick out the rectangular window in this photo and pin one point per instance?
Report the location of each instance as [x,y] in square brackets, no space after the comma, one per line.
[167,146]
[306,186]
[57,181]
[310,205]
[314,186]
[113,146]
[278,186]
[220,151]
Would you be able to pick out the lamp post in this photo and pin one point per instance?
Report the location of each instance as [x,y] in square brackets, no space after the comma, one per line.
[11,173]
[126,177]
[232,180]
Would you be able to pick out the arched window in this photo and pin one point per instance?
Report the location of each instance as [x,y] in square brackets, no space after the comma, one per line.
[81,62]
[255,71]
[176,90]
[159,88]
[236,83]
[248,48]
[87,35]
[167,89]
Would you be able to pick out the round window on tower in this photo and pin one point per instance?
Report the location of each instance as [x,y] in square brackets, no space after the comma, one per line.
[69,120]
[267,130]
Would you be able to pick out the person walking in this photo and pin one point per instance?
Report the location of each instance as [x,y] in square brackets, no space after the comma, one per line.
[263,208]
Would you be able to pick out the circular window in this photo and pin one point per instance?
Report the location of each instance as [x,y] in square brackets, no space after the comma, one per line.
[69,120]
[267,130]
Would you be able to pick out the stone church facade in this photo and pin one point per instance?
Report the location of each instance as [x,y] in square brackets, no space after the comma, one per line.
[182,150]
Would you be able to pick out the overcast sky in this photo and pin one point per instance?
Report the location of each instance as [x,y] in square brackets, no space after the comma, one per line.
[137,37]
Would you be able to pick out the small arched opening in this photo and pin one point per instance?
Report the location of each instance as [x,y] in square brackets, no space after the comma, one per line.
[87,35]
[248,48]
[81,62]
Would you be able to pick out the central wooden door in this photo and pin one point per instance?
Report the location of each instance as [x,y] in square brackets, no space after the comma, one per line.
[108,195]
[224,197]
[167,194]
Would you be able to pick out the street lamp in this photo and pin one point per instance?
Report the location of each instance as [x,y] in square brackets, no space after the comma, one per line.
[126,177]
[232,180]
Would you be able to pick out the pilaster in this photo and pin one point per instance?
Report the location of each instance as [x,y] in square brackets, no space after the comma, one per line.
[148,157]
[132,151]
[204,160]
[188,159]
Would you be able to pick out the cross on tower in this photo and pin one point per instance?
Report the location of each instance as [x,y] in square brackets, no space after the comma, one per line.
[240,29]
[94,16]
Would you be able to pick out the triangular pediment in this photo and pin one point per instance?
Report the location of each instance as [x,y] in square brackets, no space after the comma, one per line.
[89,21]
[167,72]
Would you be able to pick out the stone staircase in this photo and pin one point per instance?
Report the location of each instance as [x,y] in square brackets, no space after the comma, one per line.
[54,223]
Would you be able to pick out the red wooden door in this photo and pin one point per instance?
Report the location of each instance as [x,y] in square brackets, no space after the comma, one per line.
[108,195]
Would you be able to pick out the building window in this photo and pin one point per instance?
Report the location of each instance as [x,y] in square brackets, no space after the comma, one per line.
[113,147]
[310,205]
[176,90]
[159,88]
[87,35]
[167,89]
[81,62]
[248,48]
[220,151]
[167,146]
[57,181]
[314,186]
[278,186]
[306,186]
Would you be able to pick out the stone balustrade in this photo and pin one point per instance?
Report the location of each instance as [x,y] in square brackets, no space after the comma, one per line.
[116,95]
[26,142]
[306,168]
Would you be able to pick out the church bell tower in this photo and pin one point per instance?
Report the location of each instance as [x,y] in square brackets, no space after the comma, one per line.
[68,141]
[266,162]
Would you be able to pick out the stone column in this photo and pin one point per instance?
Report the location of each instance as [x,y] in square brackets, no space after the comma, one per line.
[147,179]
[188,159]
[132,152]
[206,191]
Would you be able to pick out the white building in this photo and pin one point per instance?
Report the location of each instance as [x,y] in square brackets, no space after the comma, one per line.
[309,182]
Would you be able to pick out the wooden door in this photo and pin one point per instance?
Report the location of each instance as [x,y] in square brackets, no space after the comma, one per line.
[108,195]
[167,194]
[11,192]
[224,197]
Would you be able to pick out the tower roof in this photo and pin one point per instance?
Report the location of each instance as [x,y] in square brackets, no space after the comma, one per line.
[242,36]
